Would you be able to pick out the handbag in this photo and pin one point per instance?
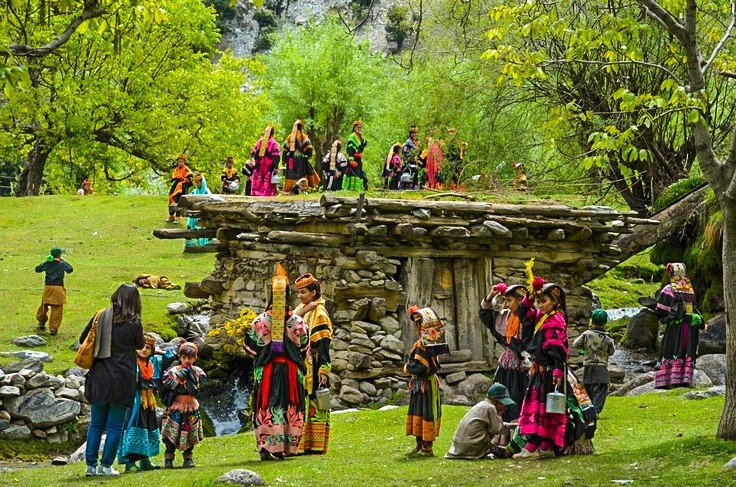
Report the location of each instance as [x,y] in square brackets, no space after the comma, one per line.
[86,352]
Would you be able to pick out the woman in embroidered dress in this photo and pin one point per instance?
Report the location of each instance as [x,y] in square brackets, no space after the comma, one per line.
[356,178]
[181,427]
[296,153]
[141,437]
[548,347]
[334,166]
[265,154]
[424,417]
[312,309]
[512,325]
[682,324]
[277,339]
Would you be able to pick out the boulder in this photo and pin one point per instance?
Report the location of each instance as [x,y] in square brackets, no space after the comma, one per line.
[382,382]
[453,399]
[15,432]
[455,377]
[27,373]
[177,308]
[41,408]
[713,340]
[364,328]
[393,344]
[367,388]
[31,354]
[44,380]
[361,308]
[30,341]
[731,464]
[474,387]
[76,371]
[28,363]
[642,389]
[616,374]
[701,380]
[351,396]
[39,433]
[637,381]
[240,476]
[78,454]
[359,360]
[641,330]
[712,392]
[68,393]
[377,309]
[389,324]
[2,375]
[72,382]
[714,366]
[61,460]
[15,379]
[457,356]
[9,391]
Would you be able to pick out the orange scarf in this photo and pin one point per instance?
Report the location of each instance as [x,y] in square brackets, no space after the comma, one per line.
[181,173]
[146,368]
[148,401]
[512,327]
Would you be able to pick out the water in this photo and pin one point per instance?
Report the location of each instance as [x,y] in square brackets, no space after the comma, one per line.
[223,404]
[618,313]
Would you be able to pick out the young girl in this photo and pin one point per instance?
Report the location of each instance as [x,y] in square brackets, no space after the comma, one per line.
[182,428]
[141,437]
[424,417]
[550,353]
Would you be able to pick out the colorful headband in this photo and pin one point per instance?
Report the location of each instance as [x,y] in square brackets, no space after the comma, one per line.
[181,156]
[357,123]
[305,280]
[189,344]
[151,340]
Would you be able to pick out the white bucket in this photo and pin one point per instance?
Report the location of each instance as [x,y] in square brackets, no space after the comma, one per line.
[323,398]
[556,402]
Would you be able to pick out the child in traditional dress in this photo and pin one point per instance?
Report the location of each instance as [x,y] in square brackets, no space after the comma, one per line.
[141,437]
[182,427]
[425,406]
[598,346]
[54,292]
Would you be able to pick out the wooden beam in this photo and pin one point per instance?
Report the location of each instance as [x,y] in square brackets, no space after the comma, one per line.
[174,233]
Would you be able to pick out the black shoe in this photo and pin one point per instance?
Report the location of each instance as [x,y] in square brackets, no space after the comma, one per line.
[188,463]
[41,326]
[168,463]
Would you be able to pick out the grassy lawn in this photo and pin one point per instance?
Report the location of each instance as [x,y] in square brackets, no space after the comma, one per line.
[656,439]
[108,242]
[623,285]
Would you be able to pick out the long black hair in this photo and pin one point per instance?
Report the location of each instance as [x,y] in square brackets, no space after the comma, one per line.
[126,304]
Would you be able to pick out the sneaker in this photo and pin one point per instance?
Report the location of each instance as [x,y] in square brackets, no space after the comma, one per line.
[91,471]
[107,471]
[527,455]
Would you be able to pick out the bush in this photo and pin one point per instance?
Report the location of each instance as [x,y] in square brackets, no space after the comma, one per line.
[398,26]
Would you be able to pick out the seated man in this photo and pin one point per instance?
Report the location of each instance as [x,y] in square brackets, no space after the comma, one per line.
[473,436]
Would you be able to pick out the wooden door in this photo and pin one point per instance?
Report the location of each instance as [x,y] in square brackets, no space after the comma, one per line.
[453,288]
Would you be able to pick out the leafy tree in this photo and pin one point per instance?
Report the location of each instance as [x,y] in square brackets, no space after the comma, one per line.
[121,102]
[398,26]
[701,51]
[326,77]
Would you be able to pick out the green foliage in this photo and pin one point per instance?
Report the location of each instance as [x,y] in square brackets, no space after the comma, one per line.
[677,190]
[622,286]
[225,12]
[232,333]
[326,77]
[267,24]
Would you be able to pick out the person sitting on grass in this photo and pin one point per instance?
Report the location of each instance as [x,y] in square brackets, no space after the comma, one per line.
[181,427]
[54,292]
[598,346]
[301,187]
[474,435]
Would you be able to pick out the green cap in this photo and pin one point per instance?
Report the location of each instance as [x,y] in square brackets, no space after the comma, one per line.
[599,316]
[501,394]
[56,252]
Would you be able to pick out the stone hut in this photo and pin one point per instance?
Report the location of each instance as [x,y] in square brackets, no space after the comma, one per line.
[375,257]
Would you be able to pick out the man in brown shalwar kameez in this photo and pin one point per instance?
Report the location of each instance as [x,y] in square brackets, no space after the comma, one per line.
[54,293]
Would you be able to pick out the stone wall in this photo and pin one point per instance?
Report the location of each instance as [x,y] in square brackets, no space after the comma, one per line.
[375,257]
[35,404]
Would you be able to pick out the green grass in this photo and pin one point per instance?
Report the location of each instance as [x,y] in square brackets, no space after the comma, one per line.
[622,286]
[108,242]
[655,439]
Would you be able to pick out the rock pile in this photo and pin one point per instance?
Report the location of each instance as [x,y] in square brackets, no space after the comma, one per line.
[34,404]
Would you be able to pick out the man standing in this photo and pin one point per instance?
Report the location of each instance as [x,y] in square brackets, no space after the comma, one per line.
[54,293]
[472,440]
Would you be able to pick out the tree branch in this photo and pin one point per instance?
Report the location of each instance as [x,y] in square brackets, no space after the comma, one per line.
[607,63]
[666,19]
[723,40]
[90,12]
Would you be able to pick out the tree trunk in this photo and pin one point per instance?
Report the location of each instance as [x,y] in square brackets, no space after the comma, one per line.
[727,426]
[29,182]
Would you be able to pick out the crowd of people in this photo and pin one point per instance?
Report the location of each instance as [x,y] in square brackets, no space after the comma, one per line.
[536,409]
[286,168]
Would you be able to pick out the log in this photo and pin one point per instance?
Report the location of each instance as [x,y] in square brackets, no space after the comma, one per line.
[671,220]
[201,249]
[304,238]
[172,233]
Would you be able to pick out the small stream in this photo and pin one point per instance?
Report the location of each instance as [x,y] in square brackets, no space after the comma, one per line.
[223,403]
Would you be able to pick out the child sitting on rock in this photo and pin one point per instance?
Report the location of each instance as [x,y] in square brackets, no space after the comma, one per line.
[182,426]
[599,346]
